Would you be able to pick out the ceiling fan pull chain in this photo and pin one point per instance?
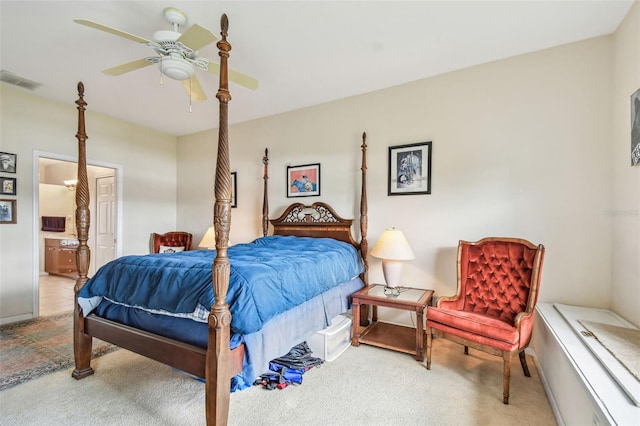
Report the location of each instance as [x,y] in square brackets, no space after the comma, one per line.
[190,96]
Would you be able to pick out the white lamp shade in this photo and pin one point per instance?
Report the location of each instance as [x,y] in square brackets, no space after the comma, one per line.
[209,239]
[393,245]
[392,248]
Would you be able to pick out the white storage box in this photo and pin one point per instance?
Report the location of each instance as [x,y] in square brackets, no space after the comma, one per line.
[329,343]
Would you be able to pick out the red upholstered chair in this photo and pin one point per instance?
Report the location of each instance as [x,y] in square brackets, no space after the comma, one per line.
[179,240]
[493,309]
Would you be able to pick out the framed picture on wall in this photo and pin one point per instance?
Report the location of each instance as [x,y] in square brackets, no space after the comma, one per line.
[7,186]
[303,181]
[234,189]
[8,211]
[410,169]
[635,128]
[7,162]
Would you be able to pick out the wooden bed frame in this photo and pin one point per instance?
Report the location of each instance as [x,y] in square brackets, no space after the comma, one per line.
[218,363]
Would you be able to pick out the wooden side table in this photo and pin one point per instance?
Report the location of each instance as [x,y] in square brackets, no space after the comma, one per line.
[410,340]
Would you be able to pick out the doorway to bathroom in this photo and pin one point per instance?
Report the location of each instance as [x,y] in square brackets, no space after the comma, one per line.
[56,236]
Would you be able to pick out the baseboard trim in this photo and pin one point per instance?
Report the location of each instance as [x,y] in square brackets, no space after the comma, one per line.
[16,318]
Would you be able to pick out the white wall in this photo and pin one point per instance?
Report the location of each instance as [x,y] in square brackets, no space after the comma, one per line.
[60,201]
[625,208]
[147,157]
[520,148]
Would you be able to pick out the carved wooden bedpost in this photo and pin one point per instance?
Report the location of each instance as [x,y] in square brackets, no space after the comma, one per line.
[364,220]
[364,224]
[81,342]
[217,371]
[265,195]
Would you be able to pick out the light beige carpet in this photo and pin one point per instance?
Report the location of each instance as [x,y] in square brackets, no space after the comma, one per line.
[364,386]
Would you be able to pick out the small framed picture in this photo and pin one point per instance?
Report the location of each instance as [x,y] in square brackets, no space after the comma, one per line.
[234,189]
[303,181]
[7,162]
[635,128]
[7,186]
[8,211]
[410,169]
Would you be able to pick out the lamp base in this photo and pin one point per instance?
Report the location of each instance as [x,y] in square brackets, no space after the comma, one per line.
[392,292]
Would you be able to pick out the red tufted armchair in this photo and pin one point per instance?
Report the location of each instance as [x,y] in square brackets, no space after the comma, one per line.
[493,309]
[171,239]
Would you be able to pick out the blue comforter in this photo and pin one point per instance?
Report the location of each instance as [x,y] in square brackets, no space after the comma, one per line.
[268,276]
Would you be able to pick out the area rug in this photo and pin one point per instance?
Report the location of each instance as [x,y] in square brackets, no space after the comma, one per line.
[33,348]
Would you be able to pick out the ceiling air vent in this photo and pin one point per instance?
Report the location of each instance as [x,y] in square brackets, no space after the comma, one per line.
[16,80]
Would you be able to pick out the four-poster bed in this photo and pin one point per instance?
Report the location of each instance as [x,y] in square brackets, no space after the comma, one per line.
[216,361]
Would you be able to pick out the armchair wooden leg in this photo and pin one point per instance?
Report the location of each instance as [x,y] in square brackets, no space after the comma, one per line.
[523,362]
[429,343]
[506,377]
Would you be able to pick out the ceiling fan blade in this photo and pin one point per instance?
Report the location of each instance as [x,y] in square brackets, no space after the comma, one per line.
[197,37]
[111,30]
[235,76]
[129,66]
[194,89]
[243,79]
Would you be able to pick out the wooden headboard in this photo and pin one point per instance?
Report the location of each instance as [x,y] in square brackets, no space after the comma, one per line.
[318,220]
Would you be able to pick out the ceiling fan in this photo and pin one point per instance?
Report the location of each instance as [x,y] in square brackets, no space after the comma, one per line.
[177,53]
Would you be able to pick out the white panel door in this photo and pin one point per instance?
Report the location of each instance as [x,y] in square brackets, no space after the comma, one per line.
[105,220]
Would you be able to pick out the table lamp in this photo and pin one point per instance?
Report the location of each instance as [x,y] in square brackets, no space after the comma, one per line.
[392,248]
[209,239]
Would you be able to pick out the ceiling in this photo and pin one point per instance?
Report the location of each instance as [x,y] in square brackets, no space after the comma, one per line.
[302,52]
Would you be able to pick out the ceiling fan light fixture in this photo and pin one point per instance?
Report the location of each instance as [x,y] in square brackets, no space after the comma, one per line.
[176,53]
[176,68]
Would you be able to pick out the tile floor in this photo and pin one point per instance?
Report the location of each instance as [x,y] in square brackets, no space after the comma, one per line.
[56,294]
